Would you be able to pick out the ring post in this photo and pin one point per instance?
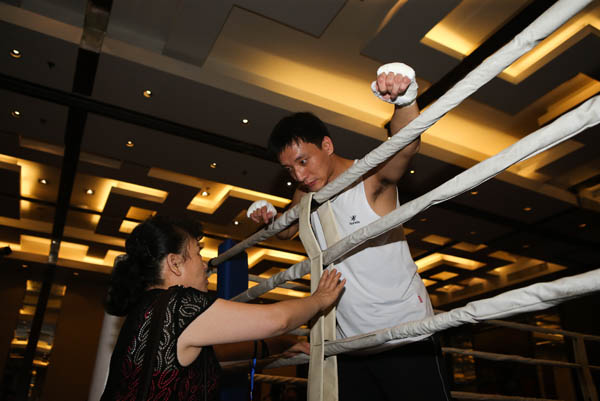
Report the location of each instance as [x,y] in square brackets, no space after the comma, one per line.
[232,279]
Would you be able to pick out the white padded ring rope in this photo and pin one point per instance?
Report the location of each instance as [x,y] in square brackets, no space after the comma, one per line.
[550,20]
[535,297]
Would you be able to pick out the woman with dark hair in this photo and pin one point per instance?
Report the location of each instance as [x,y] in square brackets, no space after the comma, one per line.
[164,350]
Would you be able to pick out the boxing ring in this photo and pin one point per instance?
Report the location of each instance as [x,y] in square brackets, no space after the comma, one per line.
[578,343]
[535,297]
[532,298]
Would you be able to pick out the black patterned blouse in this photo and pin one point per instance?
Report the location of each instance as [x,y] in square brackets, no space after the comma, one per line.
[170,380]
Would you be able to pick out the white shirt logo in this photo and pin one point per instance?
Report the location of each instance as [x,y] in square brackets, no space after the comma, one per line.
[353,220]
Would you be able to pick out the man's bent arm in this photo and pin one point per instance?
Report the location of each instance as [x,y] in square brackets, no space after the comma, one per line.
[392,170]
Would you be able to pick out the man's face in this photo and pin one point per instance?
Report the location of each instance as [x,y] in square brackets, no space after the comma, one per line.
[308,164]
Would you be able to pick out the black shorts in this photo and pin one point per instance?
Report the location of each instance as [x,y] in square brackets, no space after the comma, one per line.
[413,372]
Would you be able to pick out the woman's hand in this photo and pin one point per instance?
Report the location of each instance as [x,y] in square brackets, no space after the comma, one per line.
[329,289]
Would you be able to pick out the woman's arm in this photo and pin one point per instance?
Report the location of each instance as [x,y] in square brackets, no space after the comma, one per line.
[285,344]
[229,322]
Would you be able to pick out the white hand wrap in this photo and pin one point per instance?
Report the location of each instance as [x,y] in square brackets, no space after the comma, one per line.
[261,203]
[398,68]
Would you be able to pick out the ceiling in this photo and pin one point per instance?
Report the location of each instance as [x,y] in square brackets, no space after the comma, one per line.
[73,100]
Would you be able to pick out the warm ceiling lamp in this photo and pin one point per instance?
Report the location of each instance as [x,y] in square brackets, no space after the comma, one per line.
[147,93]
[474,192]
[527,209]
[205,193]
[289,183]
[213,165]
[15,113]
[412,171]
[43,181]
[236,223]
[129,144]
[245,121]
[15,53]
[89,191]
[582,225]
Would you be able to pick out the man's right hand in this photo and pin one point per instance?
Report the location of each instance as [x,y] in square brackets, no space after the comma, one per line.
[261,212]
[262,215]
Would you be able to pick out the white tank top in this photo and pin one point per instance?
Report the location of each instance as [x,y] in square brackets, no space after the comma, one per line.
[383,288]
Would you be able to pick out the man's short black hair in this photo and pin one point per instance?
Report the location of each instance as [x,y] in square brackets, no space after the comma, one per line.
[305,127]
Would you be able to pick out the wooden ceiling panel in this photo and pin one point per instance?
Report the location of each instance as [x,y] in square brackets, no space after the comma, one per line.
[512,98]
[512,202]
[457,226]
[411,21]
[38,119]
[586,154]
[45,60]
[108,137]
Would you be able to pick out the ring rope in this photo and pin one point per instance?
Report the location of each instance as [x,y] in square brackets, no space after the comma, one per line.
[535,297]
[291,286]
[461,395]
[539,29]
[513,325]
[561,129]
[280,379]
[491,356]
[458,395]
[526,327]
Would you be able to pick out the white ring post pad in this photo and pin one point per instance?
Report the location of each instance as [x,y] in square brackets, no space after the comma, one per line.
[411,92]
[322,373]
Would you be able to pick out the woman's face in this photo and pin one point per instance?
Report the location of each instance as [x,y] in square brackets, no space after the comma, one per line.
[194,268]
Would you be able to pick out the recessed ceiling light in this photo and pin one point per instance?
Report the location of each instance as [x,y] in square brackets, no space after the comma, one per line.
[289,183]
[15,113]
[412,171]
[213,165]
[474,192]
[525,246]
[582,225]
[129,144]
[236,223]
[527,209]
[76,273]
[147,93]
[89,191]
[15,53]
[24,266]
[245,121]
[205,193]
[43,181]
[473,232]
[424,219]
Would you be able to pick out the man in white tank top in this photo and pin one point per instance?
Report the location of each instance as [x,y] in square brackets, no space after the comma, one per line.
[383,288]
